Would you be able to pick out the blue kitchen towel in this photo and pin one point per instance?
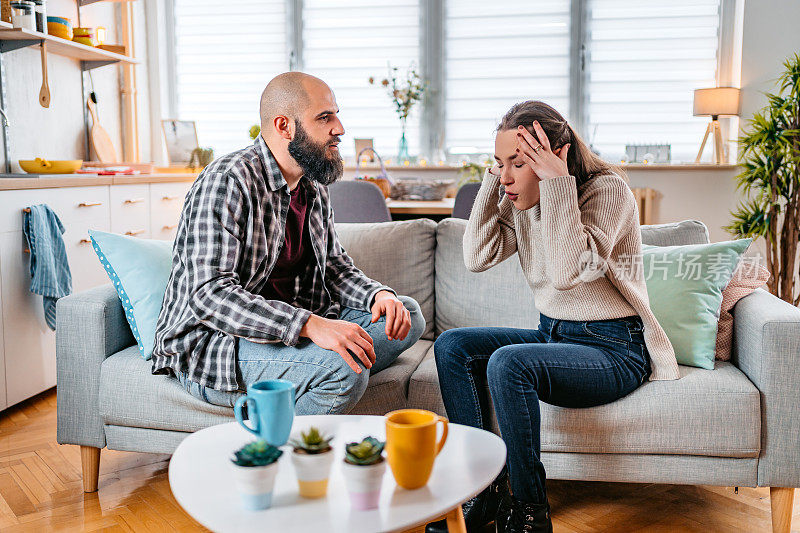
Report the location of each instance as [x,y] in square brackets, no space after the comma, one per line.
[50,275]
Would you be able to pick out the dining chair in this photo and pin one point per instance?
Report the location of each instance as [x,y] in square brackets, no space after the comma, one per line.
[358,201]
[465,197]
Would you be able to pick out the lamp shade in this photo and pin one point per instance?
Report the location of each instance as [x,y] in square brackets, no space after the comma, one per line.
[716,101]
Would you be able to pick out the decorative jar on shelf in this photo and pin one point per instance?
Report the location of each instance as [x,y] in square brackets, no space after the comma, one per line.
[22,15]
[40,15]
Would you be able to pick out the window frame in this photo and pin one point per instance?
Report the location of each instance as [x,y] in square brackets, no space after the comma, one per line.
[432,63]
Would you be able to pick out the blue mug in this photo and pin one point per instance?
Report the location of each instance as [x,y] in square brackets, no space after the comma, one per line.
[270,406]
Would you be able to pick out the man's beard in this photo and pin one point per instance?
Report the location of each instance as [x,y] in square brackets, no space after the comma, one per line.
[317,161]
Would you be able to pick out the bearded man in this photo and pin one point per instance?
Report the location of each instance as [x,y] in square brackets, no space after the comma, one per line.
[260,286]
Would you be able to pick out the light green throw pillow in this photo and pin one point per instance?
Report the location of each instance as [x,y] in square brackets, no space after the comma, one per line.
[685,286]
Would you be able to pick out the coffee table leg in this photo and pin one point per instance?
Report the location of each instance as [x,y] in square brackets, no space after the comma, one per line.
[455,521]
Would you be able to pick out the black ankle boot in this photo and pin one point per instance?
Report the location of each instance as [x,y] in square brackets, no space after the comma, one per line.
[480,510]
[519,517]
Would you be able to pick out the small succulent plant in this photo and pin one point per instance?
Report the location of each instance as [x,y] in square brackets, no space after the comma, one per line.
[257,453]
[312,442]
[366,452]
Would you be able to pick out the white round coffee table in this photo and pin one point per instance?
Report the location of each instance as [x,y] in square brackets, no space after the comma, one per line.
[201,480]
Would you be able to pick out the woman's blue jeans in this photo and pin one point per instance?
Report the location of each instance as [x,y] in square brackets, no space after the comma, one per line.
[563,363]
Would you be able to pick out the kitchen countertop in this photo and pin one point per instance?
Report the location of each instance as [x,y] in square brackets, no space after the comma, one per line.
[11,182]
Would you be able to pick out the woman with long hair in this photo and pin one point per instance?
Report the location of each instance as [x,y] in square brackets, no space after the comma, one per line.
[573,221]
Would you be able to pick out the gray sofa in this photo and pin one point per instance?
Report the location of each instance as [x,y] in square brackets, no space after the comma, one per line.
[736,425]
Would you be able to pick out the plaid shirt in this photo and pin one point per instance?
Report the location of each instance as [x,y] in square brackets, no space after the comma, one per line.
[229,237]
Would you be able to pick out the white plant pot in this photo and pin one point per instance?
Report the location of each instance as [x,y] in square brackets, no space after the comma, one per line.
[255,484]
[364,484]
[313,471]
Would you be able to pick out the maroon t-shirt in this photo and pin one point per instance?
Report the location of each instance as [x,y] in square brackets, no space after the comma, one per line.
[296,252]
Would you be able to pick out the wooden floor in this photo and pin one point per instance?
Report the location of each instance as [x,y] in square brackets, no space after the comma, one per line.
[40,490]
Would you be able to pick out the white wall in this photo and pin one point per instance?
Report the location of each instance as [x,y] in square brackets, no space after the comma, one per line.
[771,33]
[706,195]
[769,36]
[58,131]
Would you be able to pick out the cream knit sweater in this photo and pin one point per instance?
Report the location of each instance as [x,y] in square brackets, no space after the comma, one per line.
[555,237]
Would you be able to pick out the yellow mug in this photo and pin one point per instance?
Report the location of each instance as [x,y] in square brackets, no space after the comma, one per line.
[411,446]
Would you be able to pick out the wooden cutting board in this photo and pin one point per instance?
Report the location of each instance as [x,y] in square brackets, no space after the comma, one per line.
[101,142]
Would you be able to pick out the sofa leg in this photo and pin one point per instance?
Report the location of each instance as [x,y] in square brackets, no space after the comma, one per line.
[90,465]
[781,501]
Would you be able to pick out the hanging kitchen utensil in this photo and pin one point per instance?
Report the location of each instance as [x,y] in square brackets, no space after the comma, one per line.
[101,142]
[44,92]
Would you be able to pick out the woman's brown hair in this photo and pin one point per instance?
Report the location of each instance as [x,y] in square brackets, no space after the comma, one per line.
[581,161]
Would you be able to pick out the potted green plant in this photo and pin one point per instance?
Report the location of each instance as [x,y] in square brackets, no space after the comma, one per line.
[770,160]
[255,466]
[312,457]
[363,470]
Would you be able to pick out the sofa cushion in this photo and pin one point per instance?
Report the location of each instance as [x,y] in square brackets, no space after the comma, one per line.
[388,389]
[125,380]
[423,388]
[398,254]
[497,297]
[706,412]
[675,233]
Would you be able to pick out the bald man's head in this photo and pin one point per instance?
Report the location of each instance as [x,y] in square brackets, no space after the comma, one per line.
[287,95]
[300,125]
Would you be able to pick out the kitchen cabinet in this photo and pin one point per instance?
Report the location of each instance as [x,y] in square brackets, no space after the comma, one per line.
[130,208]
[167,201]
[27,345]
[3,397]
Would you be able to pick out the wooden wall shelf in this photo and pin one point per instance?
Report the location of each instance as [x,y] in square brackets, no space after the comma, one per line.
[90,57]
[82,3]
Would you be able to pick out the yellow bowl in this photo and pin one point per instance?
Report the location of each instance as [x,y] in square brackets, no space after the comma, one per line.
[43,166]
[59,30]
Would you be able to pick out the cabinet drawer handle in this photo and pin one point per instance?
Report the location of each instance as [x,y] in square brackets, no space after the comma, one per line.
[133,200]
[169,198]
[85,241]
[172,226]
[89,204]
[135,232]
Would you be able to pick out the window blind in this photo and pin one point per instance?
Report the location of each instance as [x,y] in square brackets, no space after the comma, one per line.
[346,42]
[225,55]
[644,61]
[498,54]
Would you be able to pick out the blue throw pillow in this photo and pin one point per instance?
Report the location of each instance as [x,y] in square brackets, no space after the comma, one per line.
[139,270]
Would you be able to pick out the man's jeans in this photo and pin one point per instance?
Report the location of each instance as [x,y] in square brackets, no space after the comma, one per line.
[325,383]
[563,363]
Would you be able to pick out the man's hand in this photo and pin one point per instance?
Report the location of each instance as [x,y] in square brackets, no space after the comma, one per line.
[398,318]
[344,338]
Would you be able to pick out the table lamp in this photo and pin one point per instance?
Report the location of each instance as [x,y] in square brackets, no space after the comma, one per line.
[715,102]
